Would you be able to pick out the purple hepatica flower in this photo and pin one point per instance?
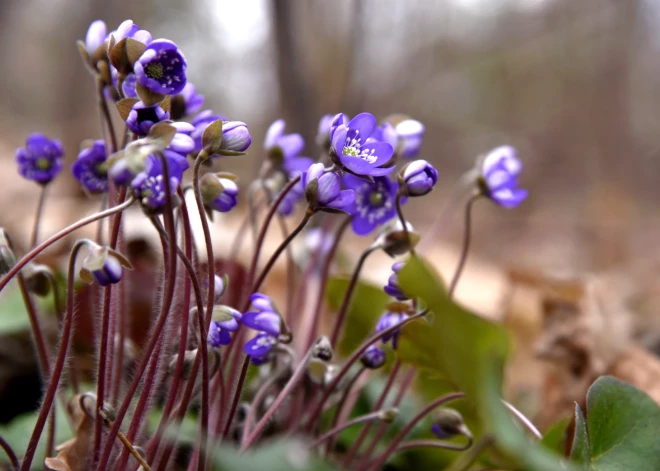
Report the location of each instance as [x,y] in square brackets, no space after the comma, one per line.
[259,347]
[41,158]
[419,178]
[373,358]
[103,267]
[142,117]
[280,146]
[265,320]
[388,320]
[219,193]
[182,142]
[499,177]
[200,122]
[384,133]
[374,202]
[96,35]
[219,332]
[161,68]
[293,167]
[410,134]
[327,126]
[87,168]
[128,29]
[392,287]
[128,86]
[354,153]
[235,136]
[187,102]
[323,189]
[149,187]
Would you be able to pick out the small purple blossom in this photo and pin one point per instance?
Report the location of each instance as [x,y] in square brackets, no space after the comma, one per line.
[186,103]
[419,178]
[218,192]
[104,268]
[219,332]
[373,358]
[142,117]
[259,347]
[128,29]
[128,86]
[96,35]
[41,158]
[149,186]
[385,133]
[499,177]
[390,319]
[392,287]
[264,319]
[323,189]
[182,142]
[161,68]
[219,285]
[88,169]
[340,119]
[200,122]
[282,146]
[354,153]
[410,134]
[235,136]
[293,167]
[374,202]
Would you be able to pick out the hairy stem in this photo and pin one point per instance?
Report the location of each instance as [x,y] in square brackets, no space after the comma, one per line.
[37,217]
[367,418]
[465,247]
[13,459]
[237,395]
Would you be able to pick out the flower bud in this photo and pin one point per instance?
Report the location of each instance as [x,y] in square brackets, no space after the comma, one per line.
[225,319]
[448,423]
[219,191]
[103,266]
[188,362]
[392,238]
[38,279]
[392,287]
[220,285]
[389,415]
[322,349]
[323,189]
[7,257]
[410,133]
[225,138]
[317,370]
[418,178]
[373,358]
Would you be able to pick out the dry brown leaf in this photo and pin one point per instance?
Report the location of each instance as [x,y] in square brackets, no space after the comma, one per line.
[73,454]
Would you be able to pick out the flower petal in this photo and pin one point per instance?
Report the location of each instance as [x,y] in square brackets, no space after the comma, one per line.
[364,124]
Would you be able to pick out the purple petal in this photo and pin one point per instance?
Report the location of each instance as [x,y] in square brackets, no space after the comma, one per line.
[379,172]
[364,124]
[345,199]
[264,321]
[381,150]
[362,226]
[329,187]
[339,138]
[260,345]
[274,132]
[96,35]
[291,144]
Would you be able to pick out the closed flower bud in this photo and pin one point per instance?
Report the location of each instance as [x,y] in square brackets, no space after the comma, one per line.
[373,358]
[448,423]
[392,238]
[188,362]
[322,349]
[7,257]
[392,287]
[219,191]
[225,138]
[323,189]
[103,266]
[418,178]
[410,133]
[389,415]
[225,320]
[38,278]
[219,285]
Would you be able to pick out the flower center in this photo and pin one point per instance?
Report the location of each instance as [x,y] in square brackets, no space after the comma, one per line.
[353,148]
[376,198]
[42,164]
[155,70]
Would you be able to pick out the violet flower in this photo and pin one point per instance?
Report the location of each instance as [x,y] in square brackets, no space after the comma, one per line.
[128,86]
[101,266]
[374,202]
[419,178]
[235,136]
[186,103]
[323,189]
[142,117]
[88,169]
[219,193]
[41,158]
[161,68]
[282,147]
[96,36]
[264,319]
[200,122]
[390,319]
[149,187]
[410,133]
[128,29]
[499,177]
[392,287]
[351,150]
[219,331]
[293,167]
[373,357]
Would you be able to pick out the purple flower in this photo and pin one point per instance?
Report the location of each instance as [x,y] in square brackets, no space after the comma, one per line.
[323,189]
[149,186]
[338,120]
[101,266]
[410,134]
[182,142]
[392,287]
[218,192]
[385,133]
[87,168]
[390,319]
[142,117]
[186,103]
[41,158]
[327,126]
[374,202]
[354,153]
[128,86]
[264,319]
[219,285]
[161,68]
[373,358]
[259,347]
[128,29]
[235,136]
[219,332]
[293,167]
[282,146]
[419,178]
[499,177]
[96,35]
[200,122]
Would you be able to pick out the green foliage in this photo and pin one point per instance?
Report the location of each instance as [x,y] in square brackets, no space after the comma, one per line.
[469,352]
[280,455]
[554,438]
[366,306]
[620,431]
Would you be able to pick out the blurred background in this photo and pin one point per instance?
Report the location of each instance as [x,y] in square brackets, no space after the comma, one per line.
[572,85]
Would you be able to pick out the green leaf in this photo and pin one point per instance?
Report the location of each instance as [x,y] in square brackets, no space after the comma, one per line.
[580,451]
[280,455]
[623,424]
[366,306]
[554,439]
[13,315]
[469,352]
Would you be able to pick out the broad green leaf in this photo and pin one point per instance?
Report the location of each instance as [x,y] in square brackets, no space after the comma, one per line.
[580,451]
[280,455]
[470,353]
[623,424]
[366,306]
[13,315]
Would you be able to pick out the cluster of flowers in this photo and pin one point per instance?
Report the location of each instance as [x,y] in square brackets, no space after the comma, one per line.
[164,128]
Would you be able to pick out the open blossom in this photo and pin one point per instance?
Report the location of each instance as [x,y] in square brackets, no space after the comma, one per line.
[142,117]
[499,177]
[323,189]
[264,319]
[149,186]
[282,146]
[374,202]
[354,153]
[161,68]
[390,319]
[186,103]
[220,331]
[419,178]
[392,287]
[41,158]
[88,169]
